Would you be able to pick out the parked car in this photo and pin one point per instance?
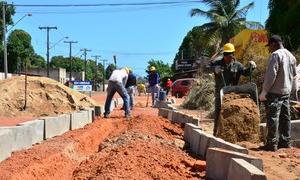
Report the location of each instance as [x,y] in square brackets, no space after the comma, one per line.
[182,87]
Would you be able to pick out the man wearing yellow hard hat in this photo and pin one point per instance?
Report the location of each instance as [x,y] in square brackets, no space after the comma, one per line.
[153,80]
[117,82]
[227,72]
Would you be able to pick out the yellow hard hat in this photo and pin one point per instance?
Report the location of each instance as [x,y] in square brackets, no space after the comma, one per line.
[152,68]
[228,48]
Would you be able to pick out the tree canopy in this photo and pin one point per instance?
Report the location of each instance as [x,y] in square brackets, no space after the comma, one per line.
[226,20]
[284,20]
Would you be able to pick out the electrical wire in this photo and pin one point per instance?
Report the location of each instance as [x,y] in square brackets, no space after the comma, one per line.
[106,4]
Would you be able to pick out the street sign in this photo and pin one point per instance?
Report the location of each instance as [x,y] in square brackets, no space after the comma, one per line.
[81,85]
[185,64]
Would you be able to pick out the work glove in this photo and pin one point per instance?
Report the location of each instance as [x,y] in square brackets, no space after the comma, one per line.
[218,69]
[262,96]
[252,64]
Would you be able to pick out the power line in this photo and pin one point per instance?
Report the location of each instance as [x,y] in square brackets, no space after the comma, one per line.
[106,4]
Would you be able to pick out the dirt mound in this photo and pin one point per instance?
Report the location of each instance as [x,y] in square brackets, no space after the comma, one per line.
[44,97]
[239,119]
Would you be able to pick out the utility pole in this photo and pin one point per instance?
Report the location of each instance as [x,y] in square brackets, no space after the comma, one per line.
[115,61]
[4,38]
[103,61]
[70,44]
[85,50]
[48,48]
[96,70]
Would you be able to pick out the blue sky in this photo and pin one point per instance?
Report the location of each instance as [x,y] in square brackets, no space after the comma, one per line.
[134,34]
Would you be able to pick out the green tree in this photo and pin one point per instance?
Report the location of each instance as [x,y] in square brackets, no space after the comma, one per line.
[284,20]
[19,48]
[226,20]
[109,69]
[9,12]
[163,69]
[37,61]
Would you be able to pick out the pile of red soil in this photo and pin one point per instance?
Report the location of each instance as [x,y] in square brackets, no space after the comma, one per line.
[239,119]
[44,97]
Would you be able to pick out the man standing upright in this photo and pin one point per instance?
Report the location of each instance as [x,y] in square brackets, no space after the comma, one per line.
[153,79]
[275,93]
[116,83]
[130,87]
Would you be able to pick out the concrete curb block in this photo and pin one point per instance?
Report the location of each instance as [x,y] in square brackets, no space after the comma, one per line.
[217,170]
[204,143]
[163,112]
[78,120]
[37,129]
[195,140]
[220,143]
[188,135]
[55,126]
[21,137]
[6,140]
[241,169]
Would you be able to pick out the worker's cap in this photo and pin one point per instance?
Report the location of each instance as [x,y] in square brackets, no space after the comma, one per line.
[130,70]
[152,68]
[274,39]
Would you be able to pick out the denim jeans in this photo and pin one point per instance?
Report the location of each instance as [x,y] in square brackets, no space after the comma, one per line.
[130,91]
[154,92]
[112,88]
[278,120]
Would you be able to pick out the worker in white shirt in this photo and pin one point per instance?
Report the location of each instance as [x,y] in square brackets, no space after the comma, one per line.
[116,83]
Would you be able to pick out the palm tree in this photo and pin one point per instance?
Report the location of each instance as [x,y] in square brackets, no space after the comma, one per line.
[226,20]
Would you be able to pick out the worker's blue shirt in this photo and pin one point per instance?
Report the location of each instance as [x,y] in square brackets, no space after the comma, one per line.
[153,79]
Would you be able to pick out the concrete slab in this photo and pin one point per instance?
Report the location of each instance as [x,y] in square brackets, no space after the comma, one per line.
[188,128]
[55,126]
[79,119]
[37,129]
[195,141]
[21,137]
[220,143]
[6,140]
[163,112]
[91,114]
[204,143]
[192,120]
[218,161]
[241,169]
[170,115]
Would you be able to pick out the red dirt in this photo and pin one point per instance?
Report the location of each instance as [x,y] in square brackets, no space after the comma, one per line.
[141,148]
[147,147]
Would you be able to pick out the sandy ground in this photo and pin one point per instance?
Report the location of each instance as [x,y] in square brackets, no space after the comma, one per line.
[147,147]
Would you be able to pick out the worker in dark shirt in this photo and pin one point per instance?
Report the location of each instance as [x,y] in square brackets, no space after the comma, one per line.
[130,87]
[227,73]
[153,80]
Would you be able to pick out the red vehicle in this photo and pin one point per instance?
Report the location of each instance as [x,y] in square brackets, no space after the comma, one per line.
[181,87]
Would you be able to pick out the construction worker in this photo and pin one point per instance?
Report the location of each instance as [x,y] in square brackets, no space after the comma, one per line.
[117,81]
[141,88]
[227,72]
[130,87]
[276,90]
[154,80]
[168,86]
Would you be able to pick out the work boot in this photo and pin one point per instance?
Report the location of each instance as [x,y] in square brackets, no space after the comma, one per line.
[128,117]
[284,146]
[268,148]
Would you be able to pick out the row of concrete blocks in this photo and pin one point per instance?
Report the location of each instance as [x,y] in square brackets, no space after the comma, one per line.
[224,160]
[178,117]
[24,135]
[295,132]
